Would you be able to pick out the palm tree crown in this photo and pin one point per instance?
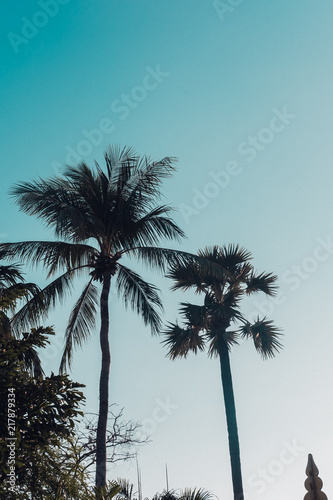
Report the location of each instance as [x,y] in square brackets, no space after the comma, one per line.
[100,216]
[115,209]
[209,324]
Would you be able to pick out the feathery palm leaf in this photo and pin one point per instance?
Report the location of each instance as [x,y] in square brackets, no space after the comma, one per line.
[126,489]
[9,296]
[81,322]
[147,177]
[32,309]
[54,255]
[9,275]
[141,296]
[194,494]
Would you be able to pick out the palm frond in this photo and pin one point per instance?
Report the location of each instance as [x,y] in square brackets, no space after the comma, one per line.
[166,258]
[37,307]
[160,258]
[196,494]
[146,178]
[9,275]
[126,489]
[180,341]
[116,157]
[203,271]
[131,226]
[156,225]
[264,335]
[189,275]
[166,495]
[229,337]
[264,282]
[195,316]
[141,296]
[81,322]
[53,255]
[32,363]
[228,256]
[107,492]
[227,306]
[10,295]
[30,312]
[44,199]
[60,204]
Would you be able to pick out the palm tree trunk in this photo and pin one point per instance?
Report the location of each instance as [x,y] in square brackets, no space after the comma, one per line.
[230,409]
[103,385]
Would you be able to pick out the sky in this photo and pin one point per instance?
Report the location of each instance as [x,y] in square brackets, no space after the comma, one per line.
[241,93]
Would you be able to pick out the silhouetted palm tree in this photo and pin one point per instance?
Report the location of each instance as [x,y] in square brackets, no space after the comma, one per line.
[186,494]
[209,324]
[101,217]
[14,290]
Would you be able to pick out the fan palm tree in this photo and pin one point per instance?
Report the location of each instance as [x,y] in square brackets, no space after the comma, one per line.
[210,324]
[100,216]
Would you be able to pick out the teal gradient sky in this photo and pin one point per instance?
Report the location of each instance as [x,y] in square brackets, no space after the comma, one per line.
[219,82]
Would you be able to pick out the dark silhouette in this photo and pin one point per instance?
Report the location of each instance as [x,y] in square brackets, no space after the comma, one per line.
[209,324]
[101,216]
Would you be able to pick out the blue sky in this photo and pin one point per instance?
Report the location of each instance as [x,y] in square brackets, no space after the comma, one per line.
[242,96]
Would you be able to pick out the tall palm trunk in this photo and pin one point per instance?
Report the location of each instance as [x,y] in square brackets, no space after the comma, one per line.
[103,385]
[230,409]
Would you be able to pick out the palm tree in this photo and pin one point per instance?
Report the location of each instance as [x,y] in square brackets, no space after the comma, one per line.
[186,494]
[12,293]
[209,324]
[99,217]
[14,290]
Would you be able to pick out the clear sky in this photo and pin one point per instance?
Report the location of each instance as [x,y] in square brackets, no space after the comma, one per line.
[241,92]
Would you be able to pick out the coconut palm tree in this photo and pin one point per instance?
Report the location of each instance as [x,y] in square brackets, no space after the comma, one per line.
[209,324]
[14,290]
[99,217]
